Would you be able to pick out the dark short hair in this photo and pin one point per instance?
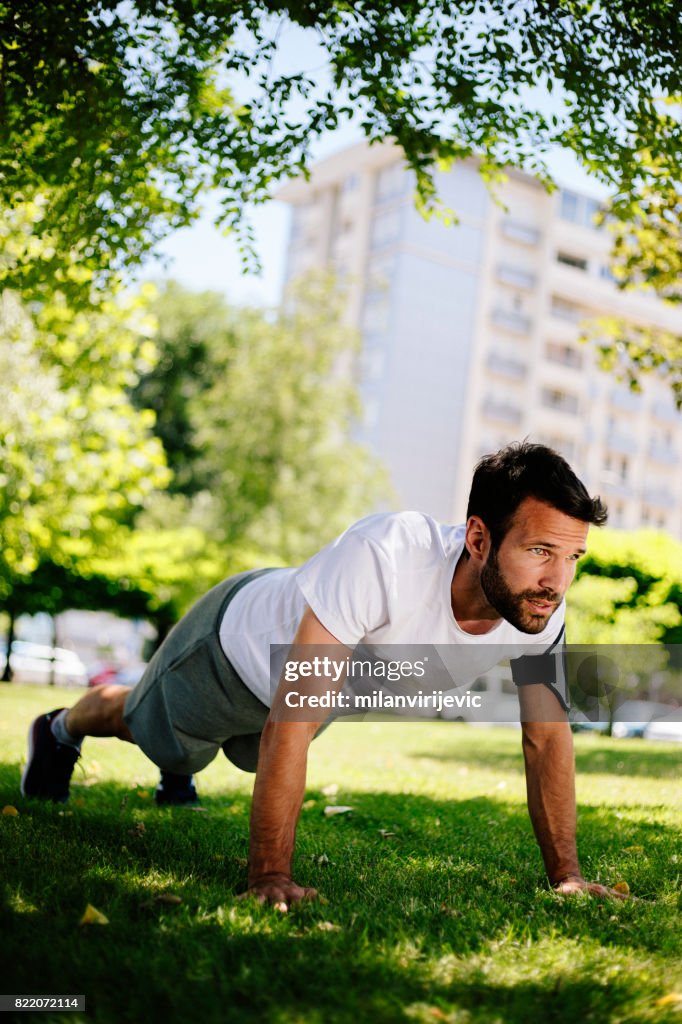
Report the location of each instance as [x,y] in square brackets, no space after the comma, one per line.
[522,470]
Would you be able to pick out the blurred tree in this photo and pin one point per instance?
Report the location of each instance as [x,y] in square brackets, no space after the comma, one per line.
[628,590]
[192,328]
[117,117]
[628,596]
[645,223]
[76,459]
[268,410]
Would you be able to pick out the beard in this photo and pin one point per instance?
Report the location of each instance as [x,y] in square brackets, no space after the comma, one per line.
[511,605]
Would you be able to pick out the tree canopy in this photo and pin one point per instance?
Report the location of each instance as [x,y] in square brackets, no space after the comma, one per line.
[121,115]
[257,411]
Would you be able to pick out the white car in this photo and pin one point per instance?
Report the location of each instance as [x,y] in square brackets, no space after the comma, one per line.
[39,663]
[668,728]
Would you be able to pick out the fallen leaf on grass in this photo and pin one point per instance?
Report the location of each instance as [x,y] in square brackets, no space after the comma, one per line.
[167,898]
[622,887]
[323,859]
[138,830]
[93,916]
[330,790]
[308,805]
[672,997]
[327,926]
[10,811]
[633,849]
[385,834]
[336,810]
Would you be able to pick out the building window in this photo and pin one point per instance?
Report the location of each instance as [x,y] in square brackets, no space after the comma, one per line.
[511,320]
[563,355]
[495,408]
[506,366]
[560,401]
[565,310]
[579,209]
[351,183]
[385,228]
[527,234]
[514,276]
[570,205]
[391,182]
[571,261]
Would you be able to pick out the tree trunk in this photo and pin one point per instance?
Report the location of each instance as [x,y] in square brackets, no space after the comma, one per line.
[53,619]
[7,674]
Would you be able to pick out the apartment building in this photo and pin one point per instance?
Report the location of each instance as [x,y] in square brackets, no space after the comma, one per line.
[470,332]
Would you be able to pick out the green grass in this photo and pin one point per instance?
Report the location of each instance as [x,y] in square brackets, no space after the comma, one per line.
[448,918]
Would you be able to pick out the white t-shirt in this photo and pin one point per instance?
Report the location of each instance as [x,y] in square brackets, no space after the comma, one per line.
[385,581]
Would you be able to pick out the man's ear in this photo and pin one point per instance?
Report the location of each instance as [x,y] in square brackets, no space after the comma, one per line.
[477,538]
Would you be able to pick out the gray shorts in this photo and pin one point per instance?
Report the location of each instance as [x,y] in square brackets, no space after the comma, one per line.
[190,702]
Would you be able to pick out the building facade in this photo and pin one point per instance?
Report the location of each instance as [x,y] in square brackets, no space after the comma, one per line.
[470,332]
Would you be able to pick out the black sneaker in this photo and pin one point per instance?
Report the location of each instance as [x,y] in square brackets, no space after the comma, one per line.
[176,789]
[50,763]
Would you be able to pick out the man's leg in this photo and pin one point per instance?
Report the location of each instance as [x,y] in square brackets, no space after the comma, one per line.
[100,713]
[54,739]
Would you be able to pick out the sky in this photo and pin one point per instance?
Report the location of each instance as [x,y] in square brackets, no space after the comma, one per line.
[200,257]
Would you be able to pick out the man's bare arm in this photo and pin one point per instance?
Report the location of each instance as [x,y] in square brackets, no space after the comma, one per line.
[280,785]
[550,787]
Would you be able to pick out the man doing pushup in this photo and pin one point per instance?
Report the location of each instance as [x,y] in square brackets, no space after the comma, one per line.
[498,581]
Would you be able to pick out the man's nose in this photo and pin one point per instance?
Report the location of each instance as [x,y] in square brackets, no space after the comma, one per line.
[556,577]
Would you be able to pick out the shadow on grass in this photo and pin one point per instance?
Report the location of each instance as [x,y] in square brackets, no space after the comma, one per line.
[594,755]
[410,880]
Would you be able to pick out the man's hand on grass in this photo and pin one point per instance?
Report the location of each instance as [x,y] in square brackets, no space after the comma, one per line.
[576,883]
[279,890]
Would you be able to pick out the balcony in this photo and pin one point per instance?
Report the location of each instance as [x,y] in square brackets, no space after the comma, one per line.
[664,454]
[564,355]
[515,277]
[667,412]
[559,401]
[624,444]
[659,495]
[614,486]
[498,409]
[511,321]
[504,366]
[517,231]
[562,309]
[628,401]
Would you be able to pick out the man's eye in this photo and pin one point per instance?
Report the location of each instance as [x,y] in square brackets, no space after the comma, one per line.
[539,551]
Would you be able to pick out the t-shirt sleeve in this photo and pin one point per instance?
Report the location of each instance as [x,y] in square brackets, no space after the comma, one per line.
[547,667]
[346,584]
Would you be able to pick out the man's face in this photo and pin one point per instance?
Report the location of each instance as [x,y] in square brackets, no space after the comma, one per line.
[527,577]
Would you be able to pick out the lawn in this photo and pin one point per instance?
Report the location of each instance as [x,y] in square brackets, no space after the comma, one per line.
[435,904]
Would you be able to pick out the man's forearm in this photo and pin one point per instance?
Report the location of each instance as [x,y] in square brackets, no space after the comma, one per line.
[550,783]
[277,797]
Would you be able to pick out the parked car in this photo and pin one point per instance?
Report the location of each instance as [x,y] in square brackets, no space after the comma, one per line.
[122,675]
[40,663]
[633,716]
[668,728]
[629,720]
[499,700]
